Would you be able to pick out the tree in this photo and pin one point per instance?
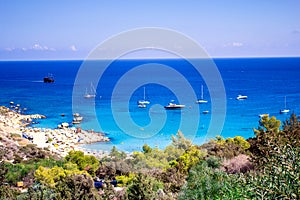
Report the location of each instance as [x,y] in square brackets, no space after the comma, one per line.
[267,124]
[117,155]
[88,163]
[189,159]
[180,142]
[146,148]
[276,155]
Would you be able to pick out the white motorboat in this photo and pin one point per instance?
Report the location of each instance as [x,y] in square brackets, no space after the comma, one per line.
[174,106]
[141,105]
[263,115]
[77,118]
[241,97]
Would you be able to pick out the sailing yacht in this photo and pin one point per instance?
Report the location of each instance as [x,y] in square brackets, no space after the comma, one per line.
[285,110]
[142,103]
[91,94]
[201,100]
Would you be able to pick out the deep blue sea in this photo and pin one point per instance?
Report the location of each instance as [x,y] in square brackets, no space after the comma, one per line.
[266,82]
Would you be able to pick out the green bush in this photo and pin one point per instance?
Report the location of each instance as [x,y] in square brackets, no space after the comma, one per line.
[278,176]
[226,148]
[204,182]
[143,187]
[88,163]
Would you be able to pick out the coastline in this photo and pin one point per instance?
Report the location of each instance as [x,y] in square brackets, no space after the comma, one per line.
[60,141]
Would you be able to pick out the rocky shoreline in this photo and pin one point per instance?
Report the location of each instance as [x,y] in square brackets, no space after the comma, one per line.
[15,130]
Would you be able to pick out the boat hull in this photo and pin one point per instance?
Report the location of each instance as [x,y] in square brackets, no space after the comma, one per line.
[201,101]
[48,80]
[284,111]
[176,107]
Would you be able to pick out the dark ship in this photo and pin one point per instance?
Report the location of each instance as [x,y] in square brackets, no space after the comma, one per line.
[49,79]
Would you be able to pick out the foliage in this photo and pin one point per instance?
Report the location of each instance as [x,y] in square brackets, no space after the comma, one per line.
[156,158]
[84,162]
[270,137]
[189,159]
[146,149]
[278,175]
[204,182]
[3,172]
[238,164]
[172,178]
[72,187]
[143,187]
[117,155]
[213,162]
[6,193]
[160,159]
[226,148]
[291,128]
[16,172]
[12,173]
[267,124]
[125,180]
[180,142]
[51,176]
[76,187]
[38,192]
[276,155]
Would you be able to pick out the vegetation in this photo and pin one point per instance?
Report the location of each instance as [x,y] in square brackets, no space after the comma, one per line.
[266,166]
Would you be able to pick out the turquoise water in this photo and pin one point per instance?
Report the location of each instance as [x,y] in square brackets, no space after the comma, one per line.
[266,82]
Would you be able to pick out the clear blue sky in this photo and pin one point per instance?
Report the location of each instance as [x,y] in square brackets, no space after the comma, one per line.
[71,29]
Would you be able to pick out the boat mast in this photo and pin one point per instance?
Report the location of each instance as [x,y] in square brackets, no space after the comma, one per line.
[201,91]
[285,102]
[93,90]
[144,93]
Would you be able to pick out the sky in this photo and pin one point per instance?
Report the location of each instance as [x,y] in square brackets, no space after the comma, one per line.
[55,29]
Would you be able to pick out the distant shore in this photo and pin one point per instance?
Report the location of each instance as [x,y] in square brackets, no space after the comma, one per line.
[59,141]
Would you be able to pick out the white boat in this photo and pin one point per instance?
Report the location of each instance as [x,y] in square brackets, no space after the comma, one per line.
[201,100]
[205,112]
[141,105]
[91,94]
[285,110]
[173,106]
[63,125]
[144,101]
[241,97]
[263,115]
[77,118]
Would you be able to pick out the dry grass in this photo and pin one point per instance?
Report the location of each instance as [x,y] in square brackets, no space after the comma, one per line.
[23,142]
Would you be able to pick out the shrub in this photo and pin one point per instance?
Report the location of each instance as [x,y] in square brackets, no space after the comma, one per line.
[276,155]
[125,180]
[228,148]
[238,164]
[204,182]
[143,187]
[88,163]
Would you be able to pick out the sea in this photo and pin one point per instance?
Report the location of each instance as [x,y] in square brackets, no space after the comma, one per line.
[271,84]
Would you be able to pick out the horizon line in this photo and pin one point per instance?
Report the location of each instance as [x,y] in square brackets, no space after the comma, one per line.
[152,58]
